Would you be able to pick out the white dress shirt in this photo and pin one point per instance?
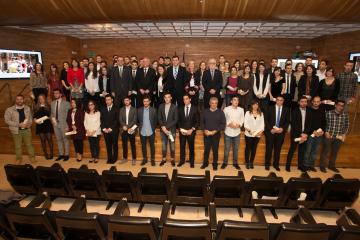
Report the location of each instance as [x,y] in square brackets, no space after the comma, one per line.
[92,122]
[321,75]
[235,115]
[253,124]
[127,110]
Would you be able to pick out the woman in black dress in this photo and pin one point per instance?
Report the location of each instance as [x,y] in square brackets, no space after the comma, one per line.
[162,86]
[277,85]
[245,88]
[192,83]
[329,89]
[43,125]
[64,81]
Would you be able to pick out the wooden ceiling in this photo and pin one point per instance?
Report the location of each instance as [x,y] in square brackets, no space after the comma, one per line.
[41,12]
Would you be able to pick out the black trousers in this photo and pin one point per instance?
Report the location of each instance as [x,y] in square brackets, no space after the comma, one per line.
[111,141]
[190,139]
[39,91]
[301,153]
[274,143]
[79,146]
[151,140]
[125,137]
[250,148]
[94,146]
[211,143]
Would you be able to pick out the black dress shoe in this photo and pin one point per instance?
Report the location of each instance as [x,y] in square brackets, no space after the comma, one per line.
[312,169]
[334,169]
[223,166]
[161,163]
[267,168]
[251,165]
[287,169]
[215,167]
[153,163]
[173,163]
[180,164]
[322,169]
[277,169]
[59,158]
[66,158]
[78,160]
[247,166]
[236,166]
[143,162]
[204,166]
[303,169]
[192,165]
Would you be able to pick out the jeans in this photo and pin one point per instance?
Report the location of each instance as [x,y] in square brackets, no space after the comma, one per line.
[234,142]
[165,140]
[152,146]
[211,143]
[313,144]
[23,136]
[250,148]
[333,144]
[94,146]
[131,137]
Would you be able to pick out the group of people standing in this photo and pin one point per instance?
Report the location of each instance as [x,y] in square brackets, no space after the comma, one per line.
[90,99]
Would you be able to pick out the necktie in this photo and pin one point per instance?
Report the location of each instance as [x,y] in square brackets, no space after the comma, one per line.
[288,84]
[212,74]
[109,109]
[120,71]
[175,72]
[145,72]
[278,117]
[187,111]
[133,73]
[57,111]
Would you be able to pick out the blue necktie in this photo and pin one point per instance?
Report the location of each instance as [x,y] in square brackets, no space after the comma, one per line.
[175,72]
[278,118]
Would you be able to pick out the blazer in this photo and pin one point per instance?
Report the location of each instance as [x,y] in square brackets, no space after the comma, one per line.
[296,124]
[109,119]
[121,85]
[270,119]
[179,82]
[171,121]
[11,117]
[152,116]
[314,85]
[292,84]
[101,84]
[168,85]
[132,117]
[62,113]
[79,123]
[197,76]
[145,82]
[191,121]
[209,83]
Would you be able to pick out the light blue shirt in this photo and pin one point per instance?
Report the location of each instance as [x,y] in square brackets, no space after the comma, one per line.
[146,129]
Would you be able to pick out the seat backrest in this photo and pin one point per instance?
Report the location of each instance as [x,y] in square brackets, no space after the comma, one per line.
[152,187]
[237,230]
[53,180]
[270,186]
[22,178]
[81,225]
[32,223]
[294,231]
[186,229]
[228,190]
[338,192]
[349,225]
[132,228]
[84,181]
[119,184]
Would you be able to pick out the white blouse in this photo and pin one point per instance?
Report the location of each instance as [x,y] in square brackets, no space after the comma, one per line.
[255,125]
[91,83]
[260,90]
[92,122]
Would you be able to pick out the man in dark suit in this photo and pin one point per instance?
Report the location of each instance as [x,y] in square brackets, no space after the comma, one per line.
[188,122]
[134,68]
[128,120]
[276,124]
[273,65]
[120,81]
[145,81]
[290,86]
[110,128]
[167,118]
[147,119]
[176,74]
[300,130]
[212,80]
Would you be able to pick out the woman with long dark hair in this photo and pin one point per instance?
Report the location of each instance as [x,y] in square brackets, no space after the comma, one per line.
[43,125]
[38,81]
[277,85]
[75,77]
[162,85]
[308,83]
[53,80]
[93,130]
[329,89]
[104,84]
[64,80]
[92,84]
[245,88]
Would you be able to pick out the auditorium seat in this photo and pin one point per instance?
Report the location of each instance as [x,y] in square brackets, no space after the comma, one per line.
[53,180]
[338,192]
[22,178]
[258,228]
[303,191]
[186,229]
[84,181]
[189,189]
[152,188]
[32,223]
[228,191]
[5,231]
[349,224]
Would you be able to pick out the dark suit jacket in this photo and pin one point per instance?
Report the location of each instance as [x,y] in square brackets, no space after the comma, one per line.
[109,119]
[188,77]
[296,124]
[314,85]
[132,117]
[179,82]
[170,122]
[101,84]
[168,85]
[121,85]
[192,121]
[79,123]
[209,83]
[145,82]
[292,84]
[270,119]
[152,116]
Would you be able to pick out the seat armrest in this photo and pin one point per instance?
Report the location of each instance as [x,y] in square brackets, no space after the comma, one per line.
[122,209]
[78,205]
[164,213]
[303,215]
[212,216]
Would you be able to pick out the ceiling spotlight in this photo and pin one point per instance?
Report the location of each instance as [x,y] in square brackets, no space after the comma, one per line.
[242,29]
[258,28]
[205,27]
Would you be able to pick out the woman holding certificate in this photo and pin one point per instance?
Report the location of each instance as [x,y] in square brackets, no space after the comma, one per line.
[43,125]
